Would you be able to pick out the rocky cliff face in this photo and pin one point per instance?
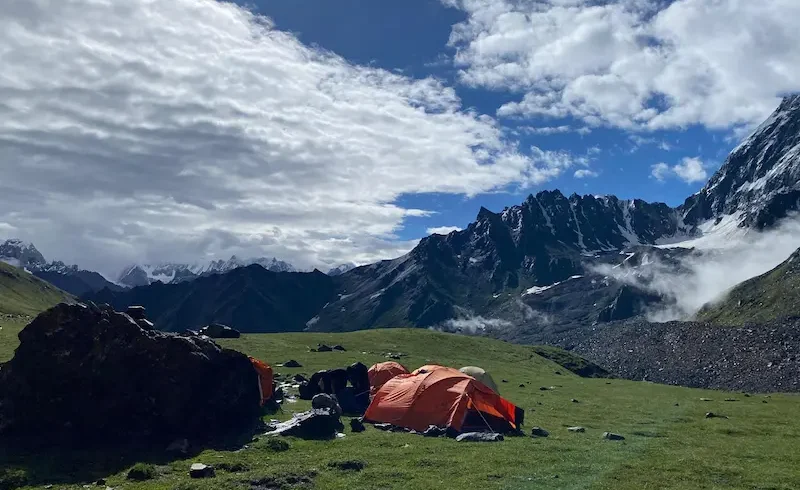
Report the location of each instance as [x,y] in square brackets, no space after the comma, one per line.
[759,183]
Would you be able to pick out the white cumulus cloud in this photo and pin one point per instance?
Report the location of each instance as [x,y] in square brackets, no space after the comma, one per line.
[660,171]
[187,129]
[442,230]
[584,173]
[648,64]
[690,170]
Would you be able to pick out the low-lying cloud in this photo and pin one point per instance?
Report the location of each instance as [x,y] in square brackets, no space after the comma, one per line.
[708,275]
[473,325]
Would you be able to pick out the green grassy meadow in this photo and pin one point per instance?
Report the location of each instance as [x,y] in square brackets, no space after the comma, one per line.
[669,442]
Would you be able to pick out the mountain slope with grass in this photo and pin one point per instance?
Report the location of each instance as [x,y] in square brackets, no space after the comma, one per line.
[22,293]
[669,443]
[768,297]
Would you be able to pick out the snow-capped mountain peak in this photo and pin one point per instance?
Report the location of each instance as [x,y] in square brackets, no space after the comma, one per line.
[144,274]
[760,180]
[20,253]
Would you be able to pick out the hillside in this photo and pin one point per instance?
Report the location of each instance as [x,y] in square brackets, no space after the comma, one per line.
[767,297]
[24,294]
[669,442]
[251,299]
[69,278]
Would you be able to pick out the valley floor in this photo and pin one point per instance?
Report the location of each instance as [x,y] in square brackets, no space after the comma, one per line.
[669,441]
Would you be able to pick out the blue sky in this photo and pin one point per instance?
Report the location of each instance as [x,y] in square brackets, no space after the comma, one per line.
[322,132]
[411,37]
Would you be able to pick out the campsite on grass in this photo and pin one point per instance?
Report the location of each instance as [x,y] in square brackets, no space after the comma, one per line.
[567,437]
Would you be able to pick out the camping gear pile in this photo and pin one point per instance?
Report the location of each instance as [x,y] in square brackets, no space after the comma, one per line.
[353,399]
[86,373]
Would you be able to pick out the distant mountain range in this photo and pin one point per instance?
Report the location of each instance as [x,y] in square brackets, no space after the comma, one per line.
[142,275]
[69,278]
[534,272]
[80,282]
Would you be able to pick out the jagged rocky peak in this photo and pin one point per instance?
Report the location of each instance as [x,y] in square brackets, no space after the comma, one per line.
[586,223]
[20,253]
[759,183]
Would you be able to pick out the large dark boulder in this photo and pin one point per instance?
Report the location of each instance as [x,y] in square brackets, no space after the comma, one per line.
[88,374]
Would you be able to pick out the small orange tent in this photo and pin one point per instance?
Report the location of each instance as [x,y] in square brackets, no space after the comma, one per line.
[264,371]
[382,372]
[443,397]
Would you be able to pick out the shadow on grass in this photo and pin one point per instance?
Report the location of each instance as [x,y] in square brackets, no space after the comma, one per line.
[41,462]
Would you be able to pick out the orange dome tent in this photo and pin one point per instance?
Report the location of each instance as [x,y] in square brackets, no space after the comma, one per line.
[382,372]
[443,397]
[264,371]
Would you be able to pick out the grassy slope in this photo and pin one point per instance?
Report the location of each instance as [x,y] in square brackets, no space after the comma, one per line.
[23,294]
[667,445]
[770,296]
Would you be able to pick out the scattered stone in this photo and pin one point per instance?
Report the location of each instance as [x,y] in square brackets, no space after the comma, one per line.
[318,423]
[677,404]
[712,415]
[731,400]
[613,437]
[351,465]
[142,472]
[706,400]
[299,378]
[479,437]
[324,400]
[291,363]
[504,380]
[747,395]
[200,470]
[100,482]
[220,331]
[434,431]
[323,348]
[357,425]
[522,385]
[576,429]
[558,373]
[543,388]
[339,348]
[574,401]
[763,401]
[539,432]
[384,427]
